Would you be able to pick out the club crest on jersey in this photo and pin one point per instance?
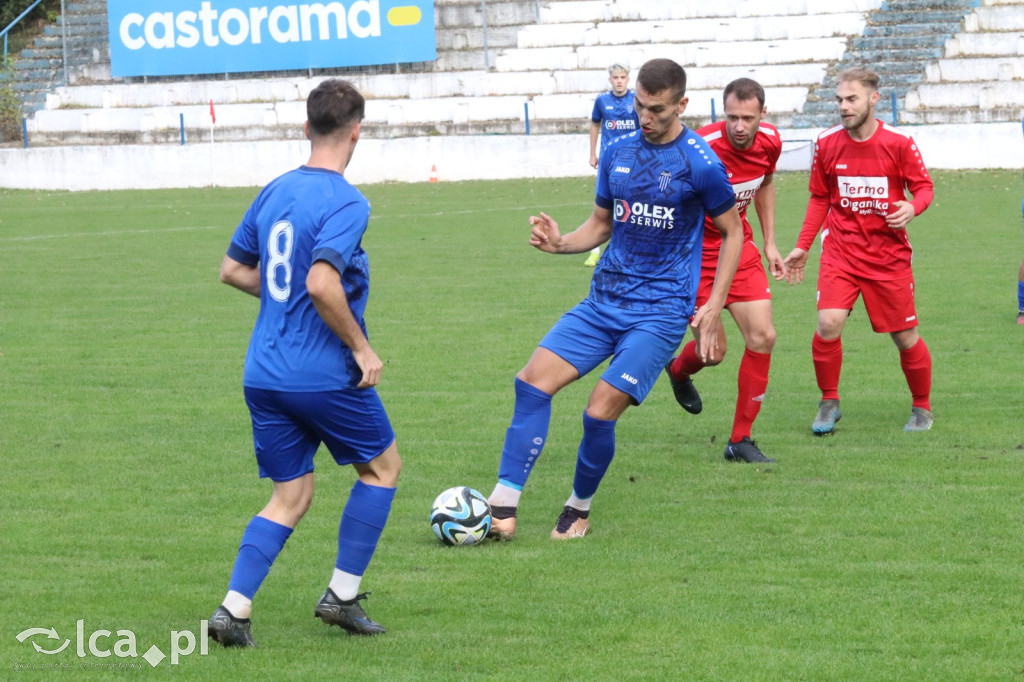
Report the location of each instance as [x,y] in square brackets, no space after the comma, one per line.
[644,215]
[664,178]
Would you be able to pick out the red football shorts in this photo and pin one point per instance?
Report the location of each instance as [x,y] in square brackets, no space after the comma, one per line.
[889,303]
[749,284]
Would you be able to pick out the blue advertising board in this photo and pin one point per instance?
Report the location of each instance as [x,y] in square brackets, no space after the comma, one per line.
[178,37]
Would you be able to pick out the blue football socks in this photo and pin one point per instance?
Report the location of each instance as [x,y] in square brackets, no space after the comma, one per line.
[526,435]
[262,541]
[1020,297]
[366,514]
[594,455]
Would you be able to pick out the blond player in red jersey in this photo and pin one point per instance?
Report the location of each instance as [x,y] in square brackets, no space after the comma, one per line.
[749,148]
[859,178]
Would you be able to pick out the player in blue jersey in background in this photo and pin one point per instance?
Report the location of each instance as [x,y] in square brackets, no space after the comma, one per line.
[1020,272]
[613,115]
[653,190]
[1020,284]
[310,371]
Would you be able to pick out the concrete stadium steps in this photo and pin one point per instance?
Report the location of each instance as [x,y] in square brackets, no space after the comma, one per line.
[40,67]
[478,84]
[1004,17]
[225,133]
[978,69]
[722,29]
[899,41]
[965,95]
[980,77]
[984,44]
[508,112]
[568,11]
[554,60]
[692,54]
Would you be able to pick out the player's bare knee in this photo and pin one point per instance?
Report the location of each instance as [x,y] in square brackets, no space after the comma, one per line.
[906,339]
[289,502]
[830,326]
[762,340]
[383,470]
[300,503]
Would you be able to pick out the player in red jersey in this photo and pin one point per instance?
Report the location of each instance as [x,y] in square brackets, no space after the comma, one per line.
[859,176]
[749,148]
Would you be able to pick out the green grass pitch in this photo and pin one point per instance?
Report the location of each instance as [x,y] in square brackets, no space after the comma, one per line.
[872,555]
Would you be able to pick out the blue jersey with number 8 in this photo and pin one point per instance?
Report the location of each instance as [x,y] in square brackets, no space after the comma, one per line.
[305,215]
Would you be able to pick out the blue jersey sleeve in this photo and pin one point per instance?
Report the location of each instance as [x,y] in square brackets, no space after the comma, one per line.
[712,181]
[245,246]
[598,113]
[341,233]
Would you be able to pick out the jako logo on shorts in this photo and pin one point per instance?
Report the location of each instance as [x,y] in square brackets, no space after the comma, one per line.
[175,37]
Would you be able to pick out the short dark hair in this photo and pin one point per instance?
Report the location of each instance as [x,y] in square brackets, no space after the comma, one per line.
[862,75]
[334,105]
[744,89]
[659,75]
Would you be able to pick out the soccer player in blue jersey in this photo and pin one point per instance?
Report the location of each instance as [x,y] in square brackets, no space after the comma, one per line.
[1020,284]
[654,188]
[1020,274]
[310,371]
[613,115]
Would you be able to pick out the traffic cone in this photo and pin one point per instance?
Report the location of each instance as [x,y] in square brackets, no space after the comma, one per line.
[433,173]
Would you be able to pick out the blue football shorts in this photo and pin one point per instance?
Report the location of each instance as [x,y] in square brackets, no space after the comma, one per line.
[288,428]
[639,344]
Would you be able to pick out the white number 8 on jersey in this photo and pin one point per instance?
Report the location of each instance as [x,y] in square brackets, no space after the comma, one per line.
[279,254]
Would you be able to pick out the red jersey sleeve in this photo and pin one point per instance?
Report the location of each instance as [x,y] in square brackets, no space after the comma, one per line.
[919,182]
[817,206]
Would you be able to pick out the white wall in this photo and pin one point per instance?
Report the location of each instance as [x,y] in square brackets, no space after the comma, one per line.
[250,164]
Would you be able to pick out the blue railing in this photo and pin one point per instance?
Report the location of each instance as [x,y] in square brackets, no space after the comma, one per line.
[14,23]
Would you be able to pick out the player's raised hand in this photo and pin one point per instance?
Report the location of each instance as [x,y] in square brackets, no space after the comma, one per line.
[794,263]
[370,365]
[776,265]
[903,214]
[544,233]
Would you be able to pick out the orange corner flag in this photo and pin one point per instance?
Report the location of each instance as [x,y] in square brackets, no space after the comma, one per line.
[213,115]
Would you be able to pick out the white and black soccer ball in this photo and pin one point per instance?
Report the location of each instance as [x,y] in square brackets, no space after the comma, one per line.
[460,516]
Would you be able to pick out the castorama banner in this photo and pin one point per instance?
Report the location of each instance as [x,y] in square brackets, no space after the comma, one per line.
[177,37]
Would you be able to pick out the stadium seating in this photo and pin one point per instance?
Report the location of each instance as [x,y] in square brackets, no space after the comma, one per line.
[980,77]
[545,61]
[546,67]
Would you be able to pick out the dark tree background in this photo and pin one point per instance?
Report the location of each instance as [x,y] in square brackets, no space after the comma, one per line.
[10,9]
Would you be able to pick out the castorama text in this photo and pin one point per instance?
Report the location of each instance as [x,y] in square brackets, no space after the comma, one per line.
[177,37]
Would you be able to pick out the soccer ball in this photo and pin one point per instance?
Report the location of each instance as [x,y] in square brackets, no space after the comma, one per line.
[460,516]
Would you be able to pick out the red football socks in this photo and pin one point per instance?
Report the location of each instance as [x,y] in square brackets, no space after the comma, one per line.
[687,363]
[917,367]
[752,383]
[828,362]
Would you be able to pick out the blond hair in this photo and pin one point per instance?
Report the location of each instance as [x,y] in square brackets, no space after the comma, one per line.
[862,75]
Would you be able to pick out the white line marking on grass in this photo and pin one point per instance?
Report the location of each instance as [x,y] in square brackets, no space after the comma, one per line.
[389,216]
[107,233]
